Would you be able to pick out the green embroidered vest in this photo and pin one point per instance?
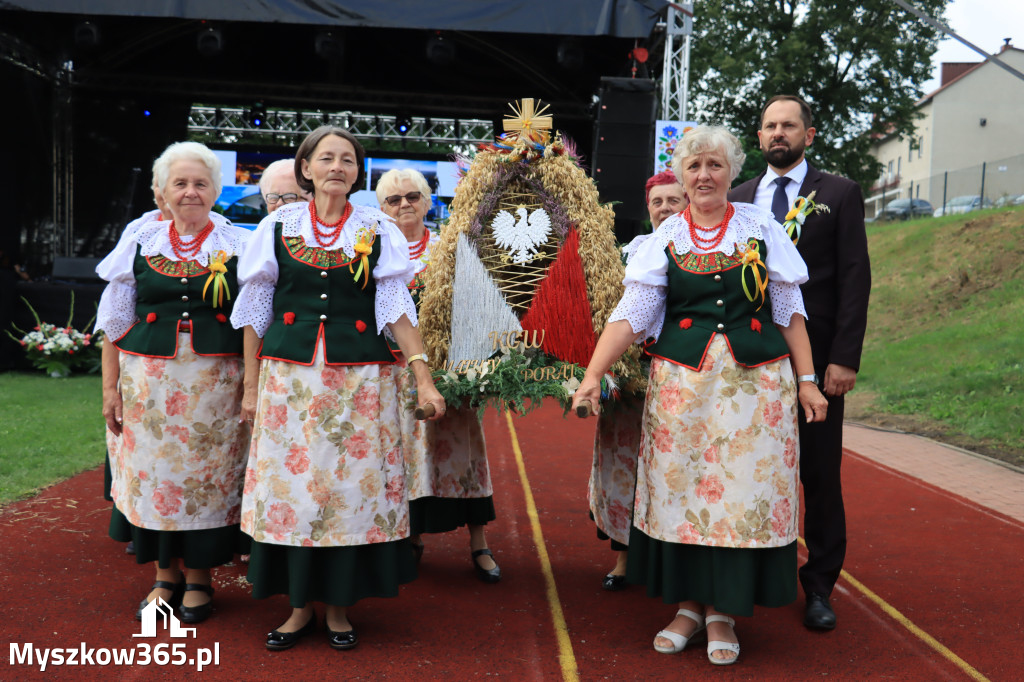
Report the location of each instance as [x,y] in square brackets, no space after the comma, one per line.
[170,291]
[316,295]
[705,297]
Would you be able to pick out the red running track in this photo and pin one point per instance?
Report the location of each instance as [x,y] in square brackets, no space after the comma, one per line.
[934,593]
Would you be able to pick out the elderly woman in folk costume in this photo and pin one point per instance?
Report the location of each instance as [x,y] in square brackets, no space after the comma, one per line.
[715,514]
[446,461]
[325,497]
[617,442]
[172,383]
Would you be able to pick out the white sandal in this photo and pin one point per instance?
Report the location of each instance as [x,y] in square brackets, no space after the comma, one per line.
[678,640]
[716,645]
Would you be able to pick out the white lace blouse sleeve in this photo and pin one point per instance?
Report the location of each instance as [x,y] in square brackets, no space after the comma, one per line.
[786,272]
[643,302]
[257,276]
[116,312]
[392,272]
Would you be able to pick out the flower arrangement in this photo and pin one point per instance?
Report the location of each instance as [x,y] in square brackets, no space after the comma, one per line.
[798,214]
[58,350]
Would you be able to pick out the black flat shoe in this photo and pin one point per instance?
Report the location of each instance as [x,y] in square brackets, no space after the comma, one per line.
[177,592]
[488,576]
[614,583]
[279,641]
[417,550]
[196,614]
[341,640]
[129,548]
[818,614]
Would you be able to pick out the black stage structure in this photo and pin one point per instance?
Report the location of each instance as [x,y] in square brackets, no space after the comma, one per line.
[95,89]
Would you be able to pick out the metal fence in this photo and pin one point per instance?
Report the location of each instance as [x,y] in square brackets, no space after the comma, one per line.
[993,183]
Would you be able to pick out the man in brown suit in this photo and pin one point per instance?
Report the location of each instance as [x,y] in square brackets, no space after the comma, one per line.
[834,246]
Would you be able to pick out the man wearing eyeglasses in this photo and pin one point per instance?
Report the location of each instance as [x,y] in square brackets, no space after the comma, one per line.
[278,185]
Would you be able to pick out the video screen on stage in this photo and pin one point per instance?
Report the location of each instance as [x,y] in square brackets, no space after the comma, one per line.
[240,199]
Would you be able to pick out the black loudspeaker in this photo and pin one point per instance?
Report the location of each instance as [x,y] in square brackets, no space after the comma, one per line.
[623,155]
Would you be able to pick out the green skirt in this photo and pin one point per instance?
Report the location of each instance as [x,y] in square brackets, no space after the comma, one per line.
[729,579]
[339,576]
[199,548]
[444,514]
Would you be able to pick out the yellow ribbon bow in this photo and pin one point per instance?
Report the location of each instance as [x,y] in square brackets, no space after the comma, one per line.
[218,269]
[363,248]
[752,260]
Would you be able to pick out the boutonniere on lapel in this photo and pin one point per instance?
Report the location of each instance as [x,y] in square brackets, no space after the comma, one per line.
[218,269]
[363,249]
[798,214]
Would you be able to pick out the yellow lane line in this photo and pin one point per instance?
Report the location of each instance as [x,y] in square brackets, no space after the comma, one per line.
[566,658]
[893,613]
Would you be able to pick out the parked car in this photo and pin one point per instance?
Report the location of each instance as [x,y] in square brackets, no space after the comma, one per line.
[1009,200]
[902,209]
[964,204]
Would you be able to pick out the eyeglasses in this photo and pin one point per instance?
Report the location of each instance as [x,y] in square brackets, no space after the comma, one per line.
[396,199]
[282,198]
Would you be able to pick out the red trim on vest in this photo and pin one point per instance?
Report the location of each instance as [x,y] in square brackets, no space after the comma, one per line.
[704,355]
[319,338]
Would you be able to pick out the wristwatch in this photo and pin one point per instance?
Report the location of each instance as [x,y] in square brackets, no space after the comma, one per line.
[813,378]
[418,356]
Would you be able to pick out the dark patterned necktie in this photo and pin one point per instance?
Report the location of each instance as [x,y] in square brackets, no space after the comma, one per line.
[780,203]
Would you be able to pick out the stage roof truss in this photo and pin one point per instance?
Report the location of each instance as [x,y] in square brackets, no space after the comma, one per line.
[238,122]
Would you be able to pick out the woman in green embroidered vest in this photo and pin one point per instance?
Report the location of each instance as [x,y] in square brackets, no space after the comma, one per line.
[172,383]
[454,488]
[715,295]
[325,496]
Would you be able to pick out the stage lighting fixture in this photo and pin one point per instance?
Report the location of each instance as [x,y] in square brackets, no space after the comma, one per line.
[87,35]
[328,46]
[257,115]
[210,42]
[569,54]
[440,52]
[403,124]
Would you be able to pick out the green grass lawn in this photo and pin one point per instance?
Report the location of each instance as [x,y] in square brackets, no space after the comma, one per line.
[945,327]
[49,429]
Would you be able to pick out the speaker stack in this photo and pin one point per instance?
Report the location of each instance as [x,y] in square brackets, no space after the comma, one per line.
[623,156]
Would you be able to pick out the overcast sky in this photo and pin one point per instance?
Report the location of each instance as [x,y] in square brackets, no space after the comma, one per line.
[983,22]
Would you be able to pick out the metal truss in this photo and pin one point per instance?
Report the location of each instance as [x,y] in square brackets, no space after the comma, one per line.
[675,76]
[240,122]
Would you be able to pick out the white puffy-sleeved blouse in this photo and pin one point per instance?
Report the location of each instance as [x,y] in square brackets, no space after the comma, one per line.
[258,271]
[116,312]
[643,302]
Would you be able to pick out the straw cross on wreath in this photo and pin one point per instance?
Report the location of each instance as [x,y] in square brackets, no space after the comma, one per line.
[526,122]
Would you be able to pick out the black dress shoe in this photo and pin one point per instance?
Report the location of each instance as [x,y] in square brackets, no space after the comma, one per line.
[177,591]
[279,641]
[417,550]
[614,583]
[341,640]
[129,548]
[818,614]
[488,576]
[197,614]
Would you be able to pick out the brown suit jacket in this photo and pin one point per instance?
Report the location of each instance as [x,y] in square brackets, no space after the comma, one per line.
[835,247]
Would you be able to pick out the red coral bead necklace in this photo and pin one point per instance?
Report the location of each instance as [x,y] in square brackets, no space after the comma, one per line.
[326,238]
[416,250]
[715,234]
[188,250]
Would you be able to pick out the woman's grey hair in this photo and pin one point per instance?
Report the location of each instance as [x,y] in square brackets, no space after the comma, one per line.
[391,183]
[186,151]
[709,139]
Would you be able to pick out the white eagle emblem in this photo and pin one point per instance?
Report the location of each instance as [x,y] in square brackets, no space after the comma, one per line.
[521,237]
